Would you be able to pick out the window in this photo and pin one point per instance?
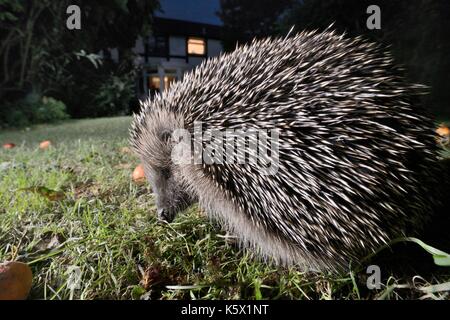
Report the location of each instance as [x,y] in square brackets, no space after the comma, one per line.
[196,46]
[168,81]
[154,82]
[154,85]
[177,46]
[157,45]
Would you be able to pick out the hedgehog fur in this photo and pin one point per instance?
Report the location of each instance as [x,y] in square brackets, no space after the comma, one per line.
[357,154]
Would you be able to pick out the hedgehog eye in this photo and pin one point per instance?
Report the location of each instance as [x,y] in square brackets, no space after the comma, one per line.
[165,173]
[166,136]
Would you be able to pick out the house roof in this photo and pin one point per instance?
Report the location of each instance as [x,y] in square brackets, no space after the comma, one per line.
[165,26]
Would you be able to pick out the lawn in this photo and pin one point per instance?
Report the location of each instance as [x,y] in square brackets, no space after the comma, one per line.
[98,238]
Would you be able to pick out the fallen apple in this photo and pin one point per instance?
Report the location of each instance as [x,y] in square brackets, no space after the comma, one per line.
[8,145]
[443,130]
[138,174]
[15,280]
[45,144]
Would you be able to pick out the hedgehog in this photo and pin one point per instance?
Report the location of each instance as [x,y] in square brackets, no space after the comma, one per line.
[357,157]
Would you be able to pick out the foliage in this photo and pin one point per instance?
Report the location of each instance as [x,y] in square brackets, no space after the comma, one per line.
[244,20]
[114,94]
[32,110]
[418,41]
[39,54]
[49,110]
[103,91]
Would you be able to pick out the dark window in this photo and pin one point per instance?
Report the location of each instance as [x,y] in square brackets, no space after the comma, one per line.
[157,46]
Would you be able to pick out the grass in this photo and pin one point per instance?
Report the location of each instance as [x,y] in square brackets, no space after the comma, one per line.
[104,231]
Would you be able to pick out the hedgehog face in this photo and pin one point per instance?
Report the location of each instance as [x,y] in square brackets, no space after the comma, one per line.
[152,141]
[170,194]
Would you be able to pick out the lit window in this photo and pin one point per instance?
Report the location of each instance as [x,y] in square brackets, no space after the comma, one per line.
[196,46]
[154,83]
[168,80]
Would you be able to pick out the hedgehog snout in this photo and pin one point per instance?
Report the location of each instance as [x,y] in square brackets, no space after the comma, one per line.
[164,214]
[169,205]
[171,197]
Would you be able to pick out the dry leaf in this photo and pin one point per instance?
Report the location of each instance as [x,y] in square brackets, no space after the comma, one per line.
[50,194]
[125,150]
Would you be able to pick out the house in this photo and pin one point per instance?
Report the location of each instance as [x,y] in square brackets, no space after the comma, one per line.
[175,47]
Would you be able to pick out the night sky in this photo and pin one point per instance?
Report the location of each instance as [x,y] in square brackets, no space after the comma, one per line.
[192,10]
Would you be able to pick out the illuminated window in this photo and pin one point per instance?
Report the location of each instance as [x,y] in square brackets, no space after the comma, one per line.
[154,83]
[196,46]
[168,80]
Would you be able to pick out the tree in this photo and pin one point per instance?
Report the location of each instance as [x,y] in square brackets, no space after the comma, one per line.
[416,31]
[247,19]
[37,48]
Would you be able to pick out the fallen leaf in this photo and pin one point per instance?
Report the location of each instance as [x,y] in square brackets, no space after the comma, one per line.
[150,276]
[50,241]
[125,150]
[50,194]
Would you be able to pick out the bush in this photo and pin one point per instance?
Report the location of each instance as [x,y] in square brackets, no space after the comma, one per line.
[49,110]
[102,91]
[114,95]
[32,110]
[10,117]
